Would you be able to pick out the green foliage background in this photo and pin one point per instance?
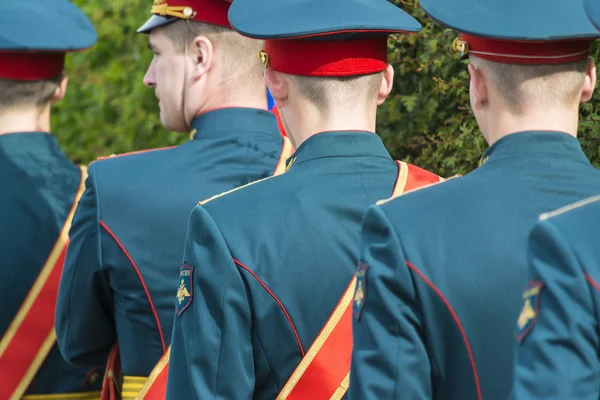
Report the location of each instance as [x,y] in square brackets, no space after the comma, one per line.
[427,120]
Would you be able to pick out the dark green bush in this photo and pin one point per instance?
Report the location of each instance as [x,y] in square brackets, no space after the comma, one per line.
[427,120]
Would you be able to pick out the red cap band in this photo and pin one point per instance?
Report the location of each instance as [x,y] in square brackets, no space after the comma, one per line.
[209,11]
[327,57]
[30,66]
[528,52]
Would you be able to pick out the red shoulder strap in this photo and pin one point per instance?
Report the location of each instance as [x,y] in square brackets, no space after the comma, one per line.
[324,372]
[411,177]
[31,334]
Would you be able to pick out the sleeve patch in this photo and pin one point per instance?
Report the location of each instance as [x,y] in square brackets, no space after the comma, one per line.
[360,292]
[185,289]
[530,311]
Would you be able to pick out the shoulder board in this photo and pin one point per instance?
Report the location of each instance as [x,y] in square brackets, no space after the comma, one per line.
[395,196]
[569,207]
[203,202]
[134,152]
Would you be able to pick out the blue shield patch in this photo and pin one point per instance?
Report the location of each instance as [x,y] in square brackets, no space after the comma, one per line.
[184,289]
[360,293]
[529,313]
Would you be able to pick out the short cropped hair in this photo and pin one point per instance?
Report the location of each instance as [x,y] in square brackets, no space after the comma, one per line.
[240,53]
[323,91]
[17,93]
[541,85]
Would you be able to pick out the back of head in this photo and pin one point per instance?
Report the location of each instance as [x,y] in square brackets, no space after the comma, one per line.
[349,92]
[530,65]
[546,86]
[20,94]
[327,62]
[35,35]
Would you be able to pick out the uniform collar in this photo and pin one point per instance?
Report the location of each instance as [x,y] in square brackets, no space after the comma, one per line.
[339,144]
[535,144]
[23,143]
[224,122]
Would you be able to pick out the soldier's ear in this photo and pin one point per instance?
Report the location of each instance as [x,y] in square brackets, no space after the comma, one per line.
[202,55]
[278,86]
[387,83]
[477,87]
[61,89]
[590,82]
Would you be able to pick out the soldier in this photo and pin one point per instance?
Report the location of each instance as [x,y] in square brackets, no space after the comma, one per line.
[129,228]
[442,268]
[557,332]
[268,269]
[40,188]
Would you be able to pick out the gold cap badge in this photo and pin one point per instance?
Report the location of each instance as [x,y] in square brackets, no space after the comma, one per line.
[263,56]
[162,8]
[461,47]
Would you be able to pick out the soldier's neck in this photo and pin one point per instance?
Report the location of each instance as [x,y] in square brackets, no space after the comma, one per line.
[306,121]
[25,119]
[502,123]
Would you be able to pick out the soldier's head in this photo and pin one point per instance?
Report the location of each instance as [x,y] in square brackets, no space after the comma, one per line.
[325,73]
[35,36]
[522,89]
[199,62]
[529,62]
[32,95]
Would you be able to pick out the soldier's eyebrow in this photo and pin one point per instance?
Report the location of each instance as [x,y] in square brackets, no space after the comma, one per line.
[150,46]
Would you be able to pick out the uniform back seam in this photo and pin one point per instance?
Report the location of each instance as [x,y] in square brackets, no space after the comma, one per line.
[456,320]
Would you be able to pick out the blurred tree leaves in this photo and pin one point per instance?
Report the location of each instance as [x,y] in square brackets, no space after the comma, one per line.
[427,119]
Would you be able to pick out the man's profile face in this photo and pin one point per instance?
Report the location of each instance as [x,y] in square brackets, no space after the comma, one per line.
[166,75]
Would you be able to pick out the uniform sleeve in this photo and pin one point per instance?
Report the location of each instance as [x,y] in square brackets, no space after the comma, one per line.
[389,358]
[557,345]
[211,347]
[85,327]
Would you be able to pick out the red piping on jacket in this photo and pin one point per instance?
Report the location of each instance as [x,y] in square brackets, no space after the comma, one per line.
[277,300]
[592,282]
[458,323]
[139,274]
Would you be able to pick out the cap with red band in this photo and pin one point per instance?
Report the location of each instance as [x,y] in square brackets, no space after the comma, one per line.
[30,66]
[524,32]
[35,35]
[348,38]
[326,57]
[524,52]
[208,11]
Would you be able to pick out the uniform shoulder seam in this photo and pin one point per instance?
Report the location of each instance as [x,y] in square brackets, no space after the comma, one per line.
[131,153]
[570,207]
[442,180]
[203,202]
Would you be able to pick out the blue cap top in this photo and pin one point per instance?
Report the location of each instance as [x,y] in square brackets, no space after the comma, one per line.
[45,25]
[592,7]
[284,19]
[527,20]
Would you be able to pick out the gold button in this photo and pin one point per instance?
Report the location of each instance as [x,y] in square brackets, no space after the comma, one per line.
[188,12]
